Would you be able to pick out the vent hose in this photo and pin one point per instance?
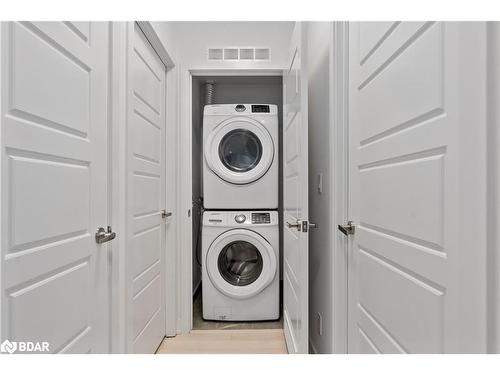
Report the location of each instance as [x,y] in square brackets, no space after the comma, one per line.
[209,92]
[198,202]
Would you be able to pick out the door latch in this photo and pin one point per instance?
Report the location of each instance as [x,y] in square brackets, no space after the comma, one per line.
[347,229]
[165,214]
[102,235]
[306,225]
[302,225]
[292,225]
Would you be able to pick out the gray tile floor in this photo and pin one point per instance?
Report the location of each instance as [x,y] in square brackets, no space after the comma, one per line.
[199,323]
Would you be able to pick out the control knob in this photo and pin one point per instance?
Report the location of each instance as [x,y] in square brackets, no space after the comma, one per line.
[240,218]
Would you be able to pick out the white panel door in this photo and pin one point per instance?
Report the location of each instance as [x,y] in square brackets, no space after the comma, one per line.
[146,196]
[295,196]
[54,181]
[417,258]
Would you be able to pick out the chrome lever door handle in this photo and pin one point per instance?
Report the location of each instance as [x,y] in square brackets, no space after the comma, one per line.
[291,225]
[102,235]
[165,214]
[347,229]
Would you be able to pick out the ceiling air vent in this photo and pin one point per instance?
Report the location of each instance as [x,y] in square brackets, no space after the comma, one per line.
[231,54]
[239,53]
[215,54]
[262,53]
[246,53]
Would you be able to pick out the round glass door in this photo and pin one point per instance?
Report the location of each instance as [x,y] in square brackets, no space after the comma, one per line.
[240,150]
[240,263]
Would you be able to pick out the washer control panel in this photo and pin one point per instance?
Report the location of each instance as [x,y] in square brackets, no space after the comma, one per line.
[239,218]
[261,218]
[260,108]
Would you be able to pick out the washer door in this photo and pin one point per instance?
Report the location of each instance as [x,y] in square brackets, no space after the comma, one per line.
[239,150]
[240,263]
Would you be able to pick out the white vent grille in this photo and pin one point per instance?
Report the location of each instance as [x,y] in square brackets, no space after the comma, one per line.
[262,54]
[231,54]
[239,53]
[215,54]
[246,53]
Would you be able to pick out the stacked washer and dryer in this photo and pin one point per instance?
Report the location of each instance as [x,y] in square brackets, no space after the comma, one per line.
[240,231]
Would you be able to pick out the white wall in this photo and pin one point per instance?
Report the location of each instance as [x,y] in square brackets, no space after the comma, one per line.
[167,36]
[493,206]
[320,162]
[192,39]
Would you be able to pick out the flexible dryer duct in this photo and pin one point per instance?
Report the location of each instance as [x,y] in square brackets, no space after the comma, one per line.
[209,92]
[198,203]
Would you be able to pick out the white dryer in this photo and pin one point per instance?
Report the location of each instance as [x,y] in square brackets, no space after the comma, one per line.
[240,265]
[240,147]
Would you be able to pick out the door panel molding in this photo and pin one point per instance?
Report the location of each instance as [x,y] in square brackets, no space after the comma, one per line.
[145,247]
[295,196]
[54,186]
[418,210]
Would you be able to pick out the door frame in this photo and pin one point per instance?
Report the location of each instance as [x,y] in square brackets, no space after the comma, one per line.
[184,259]
[339,210]
[120,42]
[493,184]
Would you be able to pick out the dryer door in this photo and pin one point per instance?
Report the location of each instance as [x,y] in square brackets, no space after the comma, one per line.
[240,150]
[241,263]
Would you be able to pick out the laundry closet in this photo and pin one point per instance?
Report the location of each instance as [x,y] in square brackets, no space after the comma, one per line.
[251,150]
[332,182]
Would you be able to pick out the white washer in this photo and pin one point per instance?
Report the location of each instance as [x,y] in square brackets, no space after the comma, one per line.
[240,265]
[240,147]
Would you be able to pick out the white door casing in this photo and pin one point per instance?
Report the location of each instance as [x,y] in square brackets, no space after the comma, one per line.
[54,182]
[295,196]
[417,185]
[145,195]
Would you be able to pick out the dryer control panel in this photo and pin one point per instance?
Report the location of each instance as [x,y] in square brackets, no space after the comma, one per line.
[242,109]
[239,218]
